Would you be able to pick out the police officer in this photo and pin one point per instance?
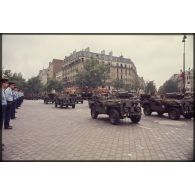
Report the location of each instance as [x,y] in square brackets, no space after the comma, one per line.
[22,96]
[4,84]
[9,99]
[17,97]
[13,110]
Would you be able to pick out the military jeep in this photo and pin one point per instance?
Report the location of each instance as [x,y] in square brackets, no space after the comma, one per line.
[79,99]
[65,100]
[116,107]
[49,98]
[173,104]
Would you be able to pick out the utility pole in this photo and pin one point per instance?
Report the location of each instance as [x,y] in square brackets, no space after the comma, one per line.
[184,83]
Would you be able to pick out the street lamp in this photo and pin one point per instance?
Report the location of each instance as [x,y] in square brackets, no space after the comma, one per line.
[184,38]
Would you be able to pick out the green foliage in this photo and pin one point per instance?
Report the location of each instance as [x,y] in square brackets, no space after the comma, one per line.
[8,74]
[53,84]
[169,86]
[34,86]
[94,74]
[16,78]
[150,88]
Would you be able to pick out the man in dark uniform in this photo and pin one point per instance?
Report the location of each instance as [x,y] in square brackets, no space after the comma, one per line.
[9,99]
[4,84]
[13,109]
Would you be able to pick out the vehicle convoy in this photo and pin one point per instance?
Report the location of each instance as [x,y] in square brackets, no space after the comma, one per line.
[32,96]
[117,107]
[64,99]
[172,103]
[49,98]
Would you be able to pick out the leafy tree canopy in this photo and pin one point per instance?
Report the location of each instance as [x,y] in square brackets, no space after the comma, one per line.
[170,86]
[53,84]
[93,74]
[150,88]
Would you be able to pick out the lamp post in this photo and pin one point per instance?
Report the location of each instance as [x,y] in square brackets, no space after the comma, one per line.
[184,83]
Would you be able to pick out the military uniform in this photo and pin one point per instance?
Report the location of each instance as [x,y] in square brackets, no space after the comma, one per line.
[15,97]
[9,99]
[3,106]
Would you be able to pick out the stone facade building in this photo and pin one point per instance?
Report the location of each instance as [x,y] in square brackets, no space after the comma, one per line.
[50,73]
[54,66]
[43,76]
[120,67]
[189,76]
[189,80]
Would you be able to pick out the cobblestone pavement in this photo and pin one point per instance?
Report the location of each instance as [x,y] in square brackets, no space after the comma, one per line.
[42,132]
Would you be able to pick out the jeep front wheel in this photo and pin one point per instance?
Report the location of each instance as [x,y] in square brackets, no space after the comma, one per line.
[147,110]
[160,113]
[188,116]
[114,116]
[135,119]
[174,114]
[94,113]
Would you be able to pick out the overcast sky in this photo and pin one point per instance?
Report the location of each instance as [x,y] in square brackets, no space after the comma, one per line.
[157,57]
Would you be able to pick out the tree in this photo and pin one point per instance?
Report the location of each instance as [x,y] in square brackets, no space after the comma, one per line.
[169,86]
[93,74]
[150,88]
[53,84]
[7,73]
[34,86]
[17,78]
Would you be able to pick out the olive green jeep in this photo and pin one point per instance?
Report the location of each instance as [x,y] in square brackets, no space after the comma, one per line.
[49,98]
[172,103]
[65,100]
[116,107]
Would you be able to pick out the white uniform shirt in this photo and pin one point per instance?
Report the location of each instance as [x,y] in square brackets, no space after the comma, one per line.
[9,94]
[3,101]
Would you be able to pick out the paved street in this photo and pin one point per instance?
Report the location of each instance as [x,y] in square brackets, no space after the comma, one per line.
[42,132]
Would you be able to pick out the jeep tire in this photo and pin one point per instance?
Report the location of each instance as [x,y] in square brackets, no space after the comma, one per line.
[136,118]
[114,116]
[188,116]
[147,110]
[174,113]
[94,113]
